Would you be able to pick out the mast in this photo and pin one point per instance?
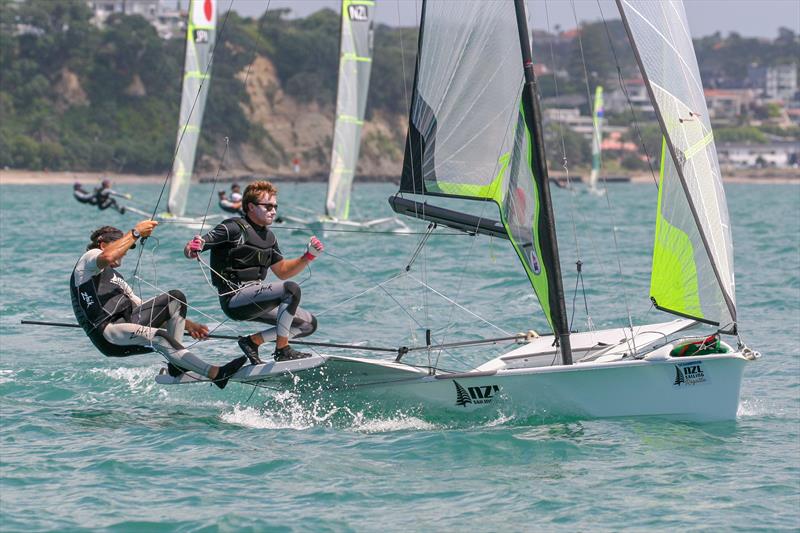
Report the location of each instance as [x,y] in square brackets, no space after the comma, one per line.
[533,121]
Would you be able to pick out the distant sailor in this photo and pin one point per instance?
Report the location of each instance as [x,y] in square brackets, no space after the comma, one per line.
[227,205]
[82,195]
[242,252]
[103,197]
[119,324]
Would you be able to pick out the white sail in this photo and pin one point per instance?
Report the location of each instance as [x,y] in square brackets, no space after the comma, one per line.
[693,253]
[597,137]
[200,36]
[355,64]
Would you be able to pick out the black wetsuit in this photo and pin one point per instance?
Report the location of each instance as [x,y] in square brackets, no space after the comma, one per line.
[84,196]
[104,200]
[119,324]
[242,252]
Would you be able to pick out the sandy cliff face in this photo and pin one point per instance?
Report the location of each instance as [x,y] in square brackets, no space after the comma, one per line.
[304,130]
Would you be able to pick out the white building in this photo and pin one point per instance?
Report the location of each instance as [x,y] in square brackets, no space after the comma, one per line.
[165,15]
[774,154]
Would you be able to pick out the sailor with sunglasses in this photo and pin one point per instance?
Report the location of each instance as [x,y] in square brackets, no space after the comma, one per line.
[243,250]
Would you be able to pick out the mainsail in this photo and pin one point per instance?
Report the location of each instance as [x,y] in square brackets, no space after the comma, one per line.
[472,135]
[692,272]
[200,35]
[355,64]
[597,136]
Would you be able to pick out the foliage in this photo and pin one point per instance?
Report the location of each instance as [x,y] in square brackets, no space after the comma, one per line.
[66,103]
[741,134]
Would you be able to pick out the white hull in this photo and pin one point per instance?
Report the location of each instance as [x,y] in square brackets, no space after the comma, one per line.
[321,225]
[184,221]
[604,382]
[630,388]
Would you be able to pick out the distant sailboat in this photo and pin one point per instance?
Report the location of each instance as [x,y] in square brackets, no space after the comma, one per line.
[355,66]
[597,140]
[200,39]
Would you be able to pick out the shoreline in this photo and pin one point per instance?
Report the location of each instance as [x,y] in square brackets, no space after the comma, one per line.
[30,177]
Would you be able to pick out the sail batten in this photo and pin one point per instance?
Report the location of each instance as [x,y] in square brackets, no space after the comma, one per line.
[692,272]
[200,39]
[355,65]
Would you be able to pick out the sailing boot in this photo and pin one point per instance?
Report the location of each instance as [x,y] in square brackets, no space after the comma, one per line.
[287,353]
[227,370]
[174,371]
[250,349]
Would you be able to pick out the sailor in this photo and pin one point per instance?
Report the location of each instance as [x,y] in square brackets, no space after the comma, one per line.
[243,249]
[103,197]
[82,195]
[119,324]
[227,205]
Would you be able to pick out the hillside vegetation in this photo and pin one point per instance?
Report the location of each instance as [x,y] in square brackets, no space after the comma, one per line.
[76,97]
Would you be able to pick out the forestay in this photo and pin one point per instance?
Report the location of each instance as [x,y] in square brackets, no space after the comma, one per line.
[200,36]
[693,254]
[355,64]
[468,135]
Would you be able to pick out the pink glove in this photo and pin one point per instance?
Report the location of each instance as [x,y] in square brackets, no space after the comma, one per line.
[195,246]
[313,249]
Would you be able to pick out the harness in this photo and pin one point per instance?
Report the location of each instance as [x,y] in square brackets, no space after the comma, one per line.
[101,301]
[246,261]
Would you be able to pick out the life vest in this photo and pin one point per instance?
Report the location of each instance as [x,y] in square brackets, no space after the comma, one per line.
[247,261]
[99,302]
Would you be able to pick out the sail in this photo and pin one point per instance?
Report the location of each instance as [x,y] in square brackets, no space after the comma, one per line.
[355,64]
[200,35]
[692,271]
[468,135]
[597,136]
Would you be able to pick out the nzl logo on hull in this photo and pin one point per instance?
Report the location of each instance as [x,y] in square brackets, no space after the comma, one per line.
[474,395]
[690,374]
[358,13]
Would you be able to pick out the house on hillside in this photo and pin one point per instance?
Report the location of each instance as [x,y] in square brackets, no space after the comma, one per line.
[727,104]
[168,21]
[616,102]
[784,154]
[778,82]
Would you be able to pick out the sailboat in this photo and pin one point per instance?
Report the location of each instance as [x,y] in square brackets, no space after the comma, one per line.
[355,66]
[478,137]
[200,39]
[597,139]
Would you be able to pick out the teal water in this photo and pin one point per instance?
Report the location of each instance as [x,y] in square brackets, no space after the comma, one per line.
[93,443]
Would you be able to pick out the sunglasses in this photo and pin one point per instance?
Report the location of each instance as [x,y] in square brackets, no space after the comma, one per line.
[268,206]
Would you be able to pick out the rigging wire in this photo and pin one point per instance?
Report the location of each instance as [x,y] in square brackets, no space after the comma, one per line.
[627,96]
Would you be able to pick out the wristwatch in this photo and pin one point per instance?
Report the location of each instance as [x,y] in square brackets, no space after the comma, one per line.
[135,234]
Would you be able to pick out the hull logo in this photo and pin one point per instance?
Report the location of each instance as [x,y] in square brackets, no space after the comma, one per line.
[687,374]
[475,395]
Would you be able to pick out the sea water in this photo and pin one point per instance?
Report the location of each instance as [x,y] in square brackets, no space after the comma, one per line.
[89,442]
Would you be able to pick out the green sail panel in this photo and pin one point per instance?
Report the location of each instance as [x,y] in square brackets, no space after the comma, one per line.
[597,136]
[355,64]
[200,38]
[693,233]
[467,134]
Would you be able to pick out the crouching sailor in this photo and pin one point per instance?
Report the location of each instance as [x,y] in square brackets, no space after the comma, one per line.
[119,324]
[242,252]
